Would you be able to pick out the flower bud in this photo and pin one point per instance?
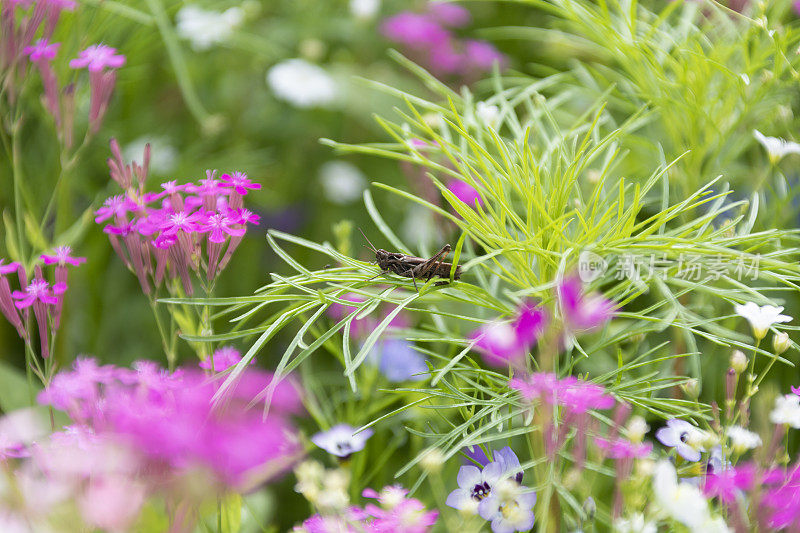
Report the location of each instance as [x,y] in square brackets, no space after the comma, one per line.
[432,460]
[781,342]
[637,428]
[691,388]
[590,508]
[738,361]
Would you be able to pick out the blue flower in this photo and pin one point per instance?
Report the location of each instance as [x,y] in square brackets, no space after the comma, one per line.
[399,361]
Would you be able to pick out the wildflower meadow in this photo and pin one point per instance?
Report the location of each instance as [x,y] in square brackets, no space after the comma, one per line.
[377,266]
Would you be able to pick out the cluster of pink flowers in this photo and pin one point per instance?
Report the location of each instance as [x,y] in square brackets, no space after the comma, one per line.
[45,299]
[508,343]
[428,38]
[20,48]
[185,228]
[172,425]
[395,512]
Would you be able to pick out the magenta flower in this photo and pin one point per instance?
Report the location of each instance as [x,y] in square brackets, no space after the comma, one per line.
[448,14]
[239,182]
[508,343]
[223,358]
[115,206]
[208,187]
[414,30]
[181,221]
[574,395]
[397,512]
[245,216]
[484,56]
[41,50]
[623,448]
[97,57]
[62,257]
[729,482]
[38,290]
[218,225]
[581,311]
[465,192]
[8,268]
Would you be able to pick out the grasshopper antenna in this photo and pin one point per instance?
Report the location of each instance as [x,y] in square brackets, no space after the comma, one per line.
[372,247]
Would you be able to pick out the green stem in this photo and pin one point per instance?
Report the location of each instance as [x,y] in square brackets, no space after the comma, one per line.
[17,176]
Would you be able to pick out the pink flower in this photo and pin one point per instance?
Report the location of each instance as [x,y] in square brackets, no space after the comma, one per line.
[223,358]
[208,187]
[8,268]
[62,257]
[483,56]
[38,290]
[574,395]
[115,206]
[218,225]
[623,448]
[729,481]
[97,57]
[181,221]
[398,513]
[414,30]
[41,50]
[245,216]
[239,182]
[449,14]
[504,343]
[465,192]
[581,311]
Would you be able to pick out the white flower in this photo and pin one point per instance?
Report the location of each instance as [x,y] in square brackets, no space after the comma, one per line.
[488,114]
[683,502]
[365,9]
[163,156]
[781,342]
[206,28]
[761,318]
[635,523]
[342,182]
[787,411]
[738,361]
[776,148]
[742,439]
[302,84]
[341,440]
[637,428]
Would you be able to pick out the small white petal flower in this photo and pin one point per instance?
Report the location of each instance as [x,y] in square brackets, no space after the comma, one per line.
[365,9]
[342,440]
[342,182]
[776,148]
[781,342]
[786,411]
[489,114]
[683,502]
[761,318]
[743,439]
[205,28]
[635,523]
[302,84]
[637,428]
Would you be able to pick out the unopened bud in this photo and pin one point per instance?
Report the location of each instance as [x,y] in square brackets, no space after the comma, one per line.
[589,508]
[738,361]
[781,342]
[637,428]
[691,388]
[432,460]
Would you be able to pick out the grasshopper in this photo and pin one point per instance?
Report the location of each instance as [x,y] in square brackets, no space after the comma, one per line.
[409,266]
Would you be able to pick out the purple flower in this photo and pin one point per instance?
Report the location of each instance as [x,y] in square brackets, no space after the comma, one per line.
[465,192]
[684,437]
[414,30]
[509,514]
[61,257]
[474,486]
[239,182]
[341,440]
[581,311]
[504,343]
[41,50]
[97,57]
[399,361]
[449,14]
